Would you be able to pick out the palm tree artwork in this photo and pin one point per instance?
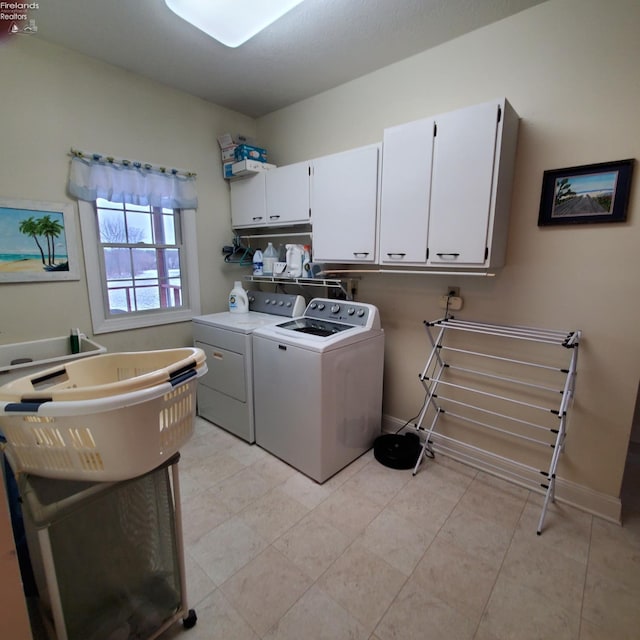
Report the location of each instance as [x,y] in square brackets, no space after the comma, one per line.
[29,227]
[50,230]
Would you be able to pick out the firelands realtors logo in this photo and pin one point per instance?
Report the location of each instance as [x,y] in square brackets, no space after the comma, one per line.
[14,17]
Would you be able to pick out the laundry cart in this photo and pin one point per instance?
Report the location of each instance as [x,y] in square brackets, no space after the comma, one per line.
[96,445]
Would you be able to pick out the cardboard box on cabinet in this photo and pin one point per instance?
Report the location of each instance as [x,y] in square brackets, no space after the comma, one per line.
[244,168]
[226,140]
[250,152]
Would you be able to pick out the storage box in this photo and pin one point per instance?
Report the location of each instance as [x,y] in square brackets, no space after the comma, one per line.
[244,168]
[227,169]
[226,140]
[249,152]
[229,153]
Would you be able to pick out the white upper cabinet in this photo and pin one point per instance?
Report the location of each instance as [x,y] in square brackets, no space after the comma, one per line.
[248,202]
[278,197]
[436,195]
[287,192]
[405,192]
[473,157]
[344,205]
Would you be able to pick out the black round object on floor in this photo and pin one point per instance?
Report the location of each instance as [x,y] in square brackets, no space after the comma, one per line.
[397,451]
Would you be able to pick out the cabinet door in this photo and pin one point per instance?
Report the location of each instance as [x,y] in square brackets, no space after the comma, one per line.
[248,201]
[344,205]
[463,165]
[288,194]
[406,186]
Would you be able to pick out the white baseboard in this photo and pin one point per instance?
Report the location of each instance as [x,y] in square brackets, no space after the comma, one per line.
[571,493]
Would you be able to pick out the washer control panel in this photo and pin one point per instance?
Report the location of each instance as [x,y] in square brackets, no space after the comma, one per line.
[357,314]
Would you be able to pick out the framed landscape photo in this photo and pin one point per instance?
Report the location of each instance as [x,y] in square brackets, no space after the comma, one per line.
[37,241]
[586,195]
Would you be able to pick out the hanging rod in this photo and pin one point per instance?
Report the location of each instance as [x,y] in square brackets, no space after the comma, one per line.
[125,162]
[413,272]
[445,347]
[567,339]
[486,394]
[276,235]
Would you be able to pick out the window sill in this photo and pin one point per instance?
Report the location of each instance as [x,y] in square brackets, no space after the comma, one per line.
[127,322]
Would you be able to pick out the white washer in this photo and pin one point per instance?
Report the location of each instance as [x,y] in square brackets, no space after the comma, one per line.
[225,392]
[318,386]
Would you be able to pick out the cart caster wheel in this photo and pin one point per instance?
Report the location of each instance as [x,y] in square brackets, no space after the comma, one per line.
[190,621]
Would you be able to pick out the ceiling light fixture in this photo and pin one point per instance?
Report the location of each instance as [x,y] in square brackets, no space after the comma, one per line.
[231,22]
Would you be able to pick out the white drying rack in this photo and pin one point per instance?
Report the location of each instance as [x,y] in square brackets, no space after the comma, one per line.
[456,388]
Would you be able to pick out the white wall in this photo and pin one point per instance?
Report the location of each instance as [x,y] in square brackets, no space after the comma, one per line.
[570,69]
[54,99]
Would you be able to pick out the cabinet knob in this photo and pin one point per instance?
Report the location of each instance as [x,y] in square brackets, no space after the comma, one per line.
[402,255]
[442,255]
[257,218]
[274,217]
[358,254]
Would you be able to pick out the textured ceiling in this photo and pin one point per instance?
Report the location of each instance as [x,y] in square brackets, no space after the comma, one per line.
[318,45]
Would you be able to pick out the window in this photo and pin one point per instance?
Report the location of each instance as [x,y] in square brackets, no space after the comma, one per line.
[141,264]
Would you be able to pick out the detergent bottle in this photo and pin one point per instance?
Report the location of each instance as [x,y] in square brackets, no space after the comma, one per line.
[258,264]
[238,299]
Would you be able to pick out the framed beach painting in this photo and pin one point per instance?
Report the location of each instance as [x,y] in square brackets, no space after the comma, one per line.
[37,241]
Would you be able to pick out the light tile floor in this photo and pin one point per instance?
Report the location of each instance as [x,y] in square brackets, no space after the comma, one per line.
[377,554]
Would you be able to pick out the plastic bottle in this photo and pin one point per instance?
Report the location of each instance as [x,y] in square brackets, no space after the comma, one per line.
[294,260]
[238,299]
[306,262]
[74,340]
[269,258]
[258,265]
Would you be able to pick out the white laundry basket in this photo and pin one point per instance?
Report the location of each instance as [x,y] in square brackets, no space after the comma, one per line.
[105,418]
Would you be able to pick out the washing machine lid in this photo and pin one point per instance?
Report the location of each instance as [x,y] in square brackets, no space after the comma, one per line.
[315,327]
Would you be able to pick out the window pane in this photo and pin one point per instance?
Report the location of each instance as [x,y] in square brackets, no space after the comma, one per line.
[169,229]
[111,226]
[144,263]
[139,228]
[147,296]
[117,263]
[173,262]
[119,301]
[101,202]
[138,207]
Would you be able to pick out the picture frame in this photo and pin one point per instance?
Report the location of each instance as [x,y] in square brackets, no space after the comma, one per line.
[586,194]
[38,241]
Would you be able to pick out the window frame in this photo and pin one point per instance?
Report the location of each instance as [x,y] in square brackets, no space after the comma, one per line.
[94,269]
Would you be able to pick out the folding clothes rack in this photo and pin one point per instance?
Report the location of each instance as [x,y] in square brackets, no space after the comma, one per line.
[495,386]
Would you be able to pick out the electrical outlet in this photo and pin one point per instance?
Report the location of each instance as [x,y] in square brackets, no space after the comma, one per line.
[453,303]
[453,291]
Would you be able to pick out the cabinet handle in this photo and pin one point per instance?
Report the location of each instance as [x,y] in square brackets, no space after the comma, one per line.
[358,254]
[274,217]
[442,255]
[402,255]
[257,218]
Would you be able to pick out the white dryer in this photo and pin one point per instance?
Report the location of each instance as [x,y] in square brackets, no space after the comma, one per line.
[225,393]
[318,386]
